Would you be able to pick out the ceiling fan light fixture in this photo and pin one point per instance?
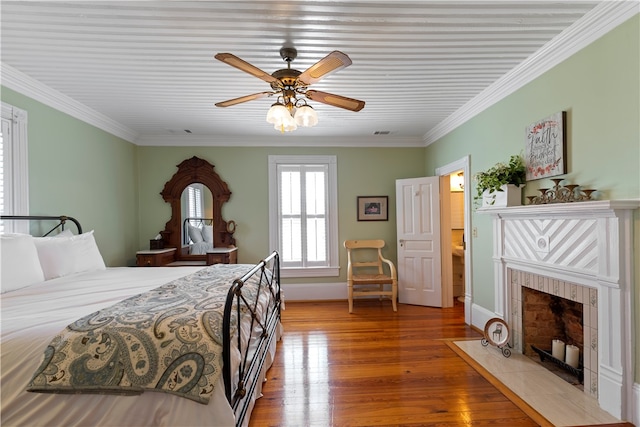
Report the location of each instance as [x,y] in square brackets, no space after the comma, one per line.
[287,124]
[288,84]
[277,114]
[306,116]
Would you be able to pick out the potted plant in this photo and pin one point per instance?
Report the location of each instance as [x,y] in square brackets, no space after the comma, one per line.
[492,185]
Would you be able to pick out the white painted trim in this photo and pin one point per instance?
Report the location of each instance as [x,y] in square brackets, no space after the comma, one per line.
[331,161]
[28,86]
[480,315]
[635,418]
[464,165]
[17,157]
[286,140]
[593,25]
[310,272]
[315,291]
[308,292]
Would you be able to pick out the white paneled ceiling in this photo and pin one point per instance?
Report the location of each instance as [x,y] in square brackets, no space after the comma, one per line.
[149,65]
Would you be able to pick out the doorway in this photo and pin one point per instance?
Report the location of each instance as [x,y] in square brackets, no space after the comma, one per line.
[459,176]
[458,244]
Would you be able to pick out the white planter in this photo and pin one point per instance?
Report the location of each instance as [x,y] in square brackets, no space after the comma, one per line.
[511,195]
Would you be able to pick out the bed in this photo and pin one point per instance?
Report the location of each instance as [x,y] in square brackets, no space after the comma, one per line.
[35,313]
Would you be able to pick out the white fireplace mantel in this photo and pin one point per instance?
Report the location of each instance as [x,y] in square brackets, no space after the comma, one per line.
[588,243]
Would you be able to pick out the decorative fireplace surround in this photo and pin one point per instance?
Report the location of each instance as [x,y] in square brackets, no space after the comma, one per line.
[589,244]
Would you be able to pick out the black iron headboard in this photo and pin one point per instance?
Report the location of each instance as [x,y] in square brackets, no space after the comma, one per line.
[62,219]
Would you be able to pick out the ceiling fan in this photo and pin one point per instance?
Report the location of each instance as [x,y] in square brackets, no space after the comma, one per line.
[292,87]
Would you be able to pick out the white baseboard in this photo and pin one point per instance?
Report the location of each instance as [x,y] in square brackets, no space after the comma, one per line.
[314,291]
[635,405]
[480,316]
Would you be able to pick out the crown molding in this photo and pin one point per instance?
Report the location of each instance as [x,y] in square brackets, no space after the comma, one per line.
[28,86]
[286,140]
[600,20]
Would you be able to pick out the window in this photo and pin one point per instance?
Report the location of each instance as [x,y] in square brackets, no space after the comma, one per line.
[194,195]
[303,225]
[14,180]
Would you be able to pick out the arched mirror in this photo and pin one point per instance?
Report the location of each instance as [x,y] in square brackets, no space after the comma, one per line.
[196,194]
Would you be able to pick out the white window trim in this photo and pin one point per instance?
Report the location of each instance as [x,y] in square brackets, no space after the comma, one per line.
[18,157]
[333,270]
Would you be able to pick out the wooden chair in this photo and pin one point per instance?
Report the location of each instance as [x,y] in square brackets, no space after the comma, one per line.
[367,276]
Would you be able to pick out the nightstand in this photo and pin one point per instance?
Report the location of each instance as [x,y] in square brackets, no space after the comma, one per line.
[155,257]
[222,256]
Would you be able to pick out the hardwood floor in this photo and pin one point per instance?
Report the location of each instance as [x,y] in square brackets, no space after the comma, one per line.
[377,368]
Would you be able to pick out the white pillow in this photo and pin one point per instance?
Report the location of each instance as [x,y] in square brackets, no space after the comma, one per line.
[19,262]
[195,234]
[65,233]
[207,233]
[62,256]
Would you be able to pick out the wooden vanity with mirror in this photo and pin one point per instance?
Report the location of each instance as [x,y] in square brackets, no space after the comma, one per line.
[202,236]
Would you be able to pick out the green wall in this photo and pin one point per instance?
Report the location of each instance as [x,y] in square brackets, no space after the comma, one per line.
[599,88]
[245,171]
[79,170]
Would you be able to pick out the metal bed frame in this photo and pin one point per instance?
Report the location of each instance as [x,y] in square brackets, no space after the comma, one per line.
[252,361]
[62,220]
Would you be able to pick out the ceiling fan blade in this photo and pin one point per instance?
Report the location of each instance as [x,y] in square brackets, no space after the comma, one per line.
[335,100]
[333,62]
[230,102]
[242,65]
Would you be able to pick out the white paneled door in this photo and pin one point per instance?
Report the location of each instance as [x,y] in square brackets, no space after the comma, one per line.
[418,229]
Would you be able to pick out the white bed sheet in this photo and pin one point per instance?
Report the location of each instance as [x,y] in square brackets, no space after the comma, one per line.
[32,316]
[200,248]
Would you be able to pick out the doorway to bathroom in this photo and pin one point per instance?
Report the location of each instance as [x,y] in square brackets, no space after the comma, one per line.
[459,213]
[458,243]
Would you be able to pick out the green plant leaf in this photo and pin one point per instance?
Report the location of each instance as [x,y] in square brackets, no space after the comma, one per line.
[513,172]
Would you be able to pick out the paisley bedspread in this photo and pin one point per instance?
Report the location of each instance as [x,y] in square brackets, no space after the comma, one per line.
[168,340]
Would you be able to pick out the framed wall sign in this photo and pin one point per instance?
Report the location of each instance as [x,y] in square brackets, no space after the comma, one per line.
[546,147]
[373,208]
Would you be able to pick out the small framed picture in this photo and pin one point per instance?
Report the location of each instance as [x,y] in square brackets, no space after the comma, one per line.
[373,208]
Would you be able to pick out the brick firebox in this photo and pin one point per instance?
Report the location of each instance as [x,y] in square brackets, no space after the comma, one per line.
[547,317]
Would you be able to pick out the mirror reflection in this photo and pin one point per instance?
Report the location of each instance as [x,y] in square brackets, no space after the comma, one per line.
[197,225]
